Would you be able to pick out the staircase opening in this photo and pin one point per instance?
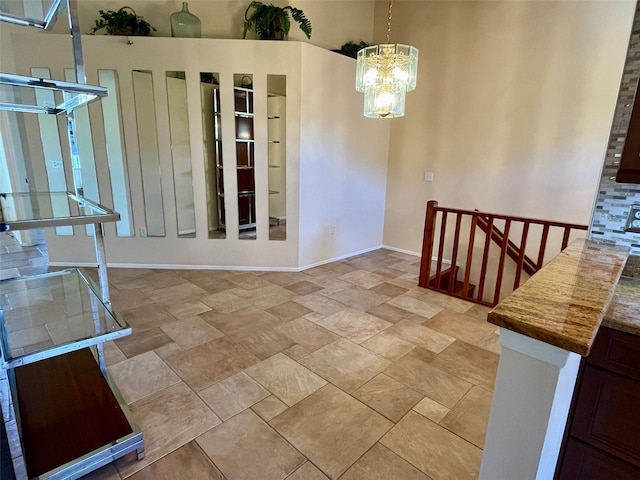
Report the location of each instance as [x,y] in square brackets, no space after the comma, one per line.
[482,257]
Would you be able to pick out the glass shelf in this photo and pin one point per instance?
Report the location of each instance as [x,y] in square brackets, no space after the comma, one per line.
[68,96]
[18,13]
[21,211]
[51,314]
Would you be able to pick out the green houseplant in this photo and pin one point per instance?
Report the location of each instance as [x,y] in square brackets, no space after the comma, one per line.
[351,49]
[122,22]
[272,22]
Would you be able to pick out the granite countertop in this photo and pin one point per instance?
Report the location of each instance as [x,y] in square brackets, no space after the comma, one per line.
[624,310]
[565,302]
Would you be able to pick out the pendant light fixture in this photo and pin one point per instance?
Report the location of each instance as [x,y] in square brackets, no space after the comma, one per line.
[385,73]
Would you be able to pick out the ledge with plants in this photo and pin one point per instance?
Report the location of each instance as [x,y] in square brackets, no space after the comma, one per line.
[272,22]
[122,22]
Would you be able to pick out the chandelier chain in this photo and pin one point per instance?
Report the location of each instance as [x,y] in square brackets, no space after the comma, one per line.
[389,21]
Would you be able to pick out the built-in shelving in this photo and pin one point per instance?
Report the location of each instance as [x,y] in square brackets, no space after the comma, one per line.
[276,156]
[245,157]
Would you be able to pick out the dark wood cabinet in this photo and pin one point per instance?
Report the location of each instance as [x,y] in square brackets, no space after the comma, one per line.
[629,171]
[607,414]
[584,462]
[603,434]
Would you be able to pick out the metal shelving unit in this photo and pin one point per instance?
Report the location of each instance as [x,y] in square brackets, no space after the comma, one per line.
[63,414]
[66,313]
[73,95]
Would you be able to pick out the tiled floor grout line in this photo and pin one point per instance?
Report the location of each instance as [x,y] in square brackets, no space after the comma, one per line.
[329,285]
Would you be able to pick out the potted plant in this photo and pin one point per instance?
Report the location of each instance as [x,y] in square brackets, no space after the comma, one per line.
[122,22]
[272,22]
[351,49]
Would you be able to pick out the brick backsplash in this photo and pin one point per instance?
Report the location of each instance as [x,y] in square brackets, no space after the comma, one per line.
[614,200]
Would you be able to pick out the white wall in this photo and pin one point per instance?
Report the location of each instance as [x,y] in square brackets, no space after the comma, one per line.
[512,109]
[343,163]
[333,22]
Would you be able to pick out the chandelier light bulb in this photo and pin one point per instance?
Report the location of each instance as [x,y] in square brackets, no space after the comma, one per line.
[384,101]
[370,76]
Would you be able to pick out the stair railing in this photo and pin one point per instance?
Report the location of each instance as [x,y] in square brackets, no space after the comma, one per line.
[528,235]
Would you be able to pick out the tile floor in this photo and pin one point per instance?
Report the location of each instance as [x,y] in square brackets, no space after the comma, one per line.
[345,371]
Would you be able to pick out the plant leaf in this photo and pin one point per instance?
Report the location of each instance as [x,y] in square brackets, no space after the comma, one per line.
[298,16]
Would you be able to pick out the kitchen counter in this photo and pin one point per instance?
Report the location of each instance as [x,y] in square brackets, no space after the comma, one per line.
[548,326]
[624,310]
[565,303]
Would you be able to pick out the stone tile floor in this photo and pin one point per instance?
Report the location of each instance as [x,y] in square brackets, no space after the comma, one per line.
[345,371]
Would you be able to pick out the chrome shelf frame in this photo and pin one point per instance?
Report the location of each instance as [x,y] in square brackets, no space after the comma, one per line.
[45,24]
[81,210]
[97,316]
[75,94]
[98,215]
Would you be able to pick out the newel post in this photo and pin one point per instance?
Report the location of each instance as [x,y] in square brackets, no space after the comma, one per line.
[427,243]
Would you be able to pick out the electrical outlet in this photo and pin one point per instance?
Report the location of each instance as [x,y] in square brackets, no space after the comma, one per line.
[633,220]
[333,229]
[428,176]
[56,164]
[143,231]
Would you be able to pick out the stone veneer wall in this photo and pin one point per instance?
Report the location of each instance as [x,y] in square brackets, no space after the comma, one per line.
[614,200]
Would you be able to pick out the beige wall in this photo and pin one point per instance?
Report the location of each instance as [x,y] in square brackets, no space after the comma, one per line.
[512,110]
[334,22]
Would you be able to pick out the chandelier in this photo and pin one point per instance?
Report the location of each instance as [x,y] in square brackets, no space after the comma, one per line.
[385,73]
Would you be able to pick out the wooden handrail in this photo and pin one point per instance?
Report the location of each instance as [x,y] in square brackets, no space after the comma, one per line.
[512,250]
[444,278]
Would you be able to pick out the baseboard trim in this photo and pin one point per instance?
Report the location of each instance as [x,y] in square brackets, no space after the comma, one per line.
[336,259]
[172,266]
[416,254]
[402,250]
[240,268]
